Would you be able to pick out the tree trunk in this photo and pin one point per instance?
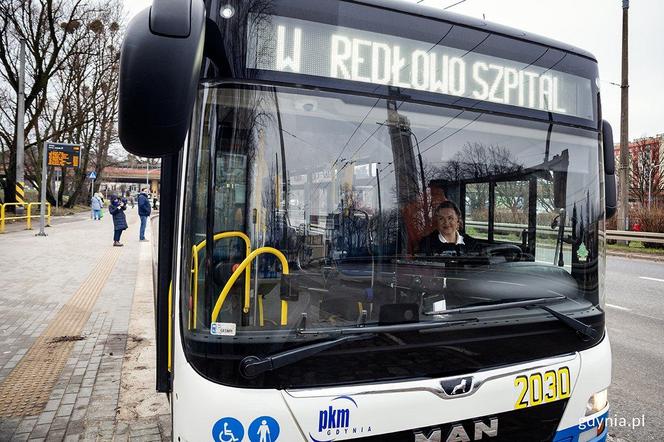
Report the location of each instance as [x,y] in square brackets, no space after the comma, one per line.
[10,189]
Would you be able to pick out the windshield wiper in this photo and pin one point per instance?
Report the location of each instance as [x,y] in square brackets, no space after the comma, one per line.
[575,324]
[252,366]
[498,305]
[391,328]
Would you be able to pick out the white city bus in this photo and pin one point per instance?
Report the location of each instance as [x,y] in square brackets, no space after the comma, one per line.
[314,155]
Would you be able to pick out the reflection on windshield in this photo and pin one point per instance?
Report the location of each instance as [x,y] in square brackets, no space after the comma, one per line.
[365,210]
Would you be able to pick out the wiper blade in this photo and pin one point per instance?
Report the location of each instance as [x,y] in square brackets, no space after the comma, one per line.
[576,325]
[252,366]
[361,329]
[499,305]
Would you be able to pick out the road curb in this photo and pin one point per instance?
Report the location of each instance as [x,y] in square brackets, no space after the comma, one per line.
[643,256]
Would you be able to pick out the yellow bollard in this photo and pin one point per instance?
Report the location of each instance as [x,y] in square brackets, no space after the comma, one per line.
[29,220]
[2,218]
[48,214]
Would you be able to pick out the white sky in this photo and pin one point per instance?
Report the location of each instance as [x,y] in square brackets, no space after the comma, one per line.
[593,25]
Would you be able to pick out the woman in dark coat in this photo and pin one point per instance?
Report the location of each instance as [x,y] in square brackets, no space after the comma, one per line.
[117,209]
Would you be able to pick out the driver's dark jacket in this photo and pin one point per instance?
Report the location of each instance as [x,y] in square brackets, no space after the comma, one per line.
[431,245]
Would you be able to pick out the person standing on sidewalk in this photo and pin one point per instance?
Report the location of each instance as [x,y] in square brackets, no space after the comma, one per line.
[103,203]
[116,209]
[144,211]
[96,205]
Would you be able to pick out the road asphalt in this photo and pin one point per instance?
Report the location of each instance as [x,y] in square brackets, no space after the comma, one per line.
[635,323]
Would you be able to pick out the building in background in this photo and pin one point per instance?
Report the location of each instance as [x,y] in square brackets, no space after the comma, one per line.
[124,180]
[646,174]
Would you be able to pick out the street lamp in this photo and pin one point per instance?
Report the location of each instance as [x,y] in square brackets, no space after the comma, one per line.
[650,183]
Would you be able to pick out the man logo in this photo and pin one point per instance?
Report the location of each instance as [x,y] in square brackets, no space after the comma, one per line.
[457,433]
[457,386]
[461,388]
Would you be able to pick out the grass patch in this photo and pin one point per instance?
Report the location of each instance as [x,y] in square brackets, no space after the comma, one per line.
[64,211]
[635,247]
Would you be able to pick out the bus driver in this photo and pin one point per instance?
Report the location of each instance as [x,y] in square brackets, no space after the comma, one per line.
[447,236]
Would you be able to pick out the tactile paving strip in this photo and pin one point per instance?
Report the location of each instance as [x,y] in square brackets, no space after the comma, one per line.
[27,388]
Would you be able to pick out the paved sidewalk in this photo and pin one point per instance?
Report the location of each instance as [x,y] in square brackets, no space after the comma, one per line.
[12,226]
[77,336]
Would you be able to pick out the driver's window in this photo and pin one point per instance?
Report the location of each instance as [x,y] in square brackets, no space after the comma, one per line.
[477,210]
[511,212]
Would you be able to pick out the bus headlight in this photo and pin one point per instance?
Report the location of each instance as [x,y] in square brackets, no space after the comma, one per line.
[597,402]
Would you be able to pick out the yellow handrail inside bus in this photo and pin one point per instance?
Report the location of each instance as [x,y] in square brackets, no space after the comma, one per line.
[284,312]
[260,310]
[194,283]
[247,279]
[236,274]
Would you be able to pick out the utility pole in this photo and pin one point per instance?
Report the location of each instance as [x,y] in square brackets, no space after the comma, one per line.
[20,127]
[44,177]
[623,207]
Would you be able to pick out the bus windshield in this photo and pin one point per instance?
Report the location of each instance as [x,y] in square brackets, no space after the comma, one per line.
[366,211]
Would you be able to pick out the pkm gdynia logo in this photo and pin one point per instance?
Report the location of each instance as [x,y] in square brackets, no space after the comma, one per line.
[338,420]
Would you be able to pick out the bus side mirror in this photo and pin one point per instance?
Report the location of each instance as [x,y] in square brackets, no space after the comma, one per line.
[609,170]
[159,71]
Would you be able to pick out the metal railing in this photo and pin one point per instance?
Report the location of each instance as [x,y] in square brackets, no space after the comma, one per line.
[27,217]
[515,228]
[619,235]
[623,235]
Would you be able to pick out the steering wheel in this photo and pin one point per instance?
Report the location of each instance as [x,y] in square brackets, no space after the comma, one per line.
[511,252]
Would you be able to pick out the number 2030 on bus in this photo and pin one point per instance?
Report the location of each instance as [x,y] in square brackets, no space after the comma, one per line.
[540,388]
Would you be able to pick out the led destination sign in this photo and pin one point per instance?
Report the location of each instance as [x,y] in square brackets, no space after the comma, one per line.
[63,154]
[292,45]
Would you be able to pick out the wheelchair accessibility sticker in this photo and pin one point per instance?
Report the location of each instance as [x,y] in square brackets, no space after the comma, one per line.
[262,429]
[227,429]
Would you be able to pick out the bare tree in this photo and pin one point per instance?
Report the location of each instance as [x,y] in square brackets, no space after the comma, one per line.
[96,100]
[63,48]
[646,176]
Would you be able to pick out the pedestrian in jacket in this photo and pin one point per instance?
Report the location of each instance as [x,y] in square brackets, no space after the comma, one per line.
[103,203]
[144,211]
[96,205]
[116,210]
